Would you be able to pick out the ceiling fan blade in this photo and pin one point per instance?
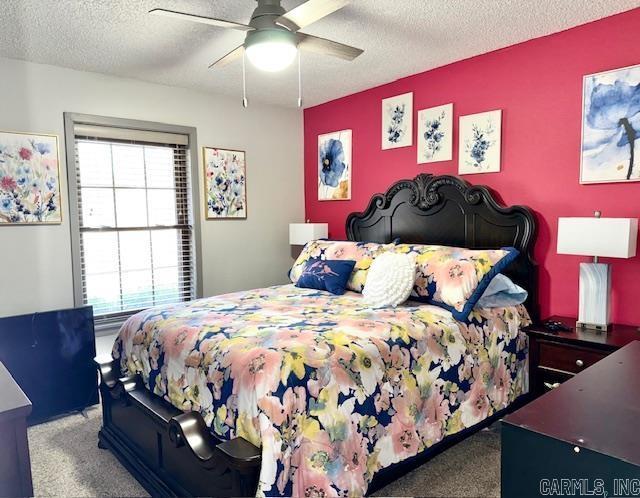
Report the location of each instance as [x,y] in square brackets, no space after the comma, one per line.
[201,19]
[232,56]
[309,12]
[327,47]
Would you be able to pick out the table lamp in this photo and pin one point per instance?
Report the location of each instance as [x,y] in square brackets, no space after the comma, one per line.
[597,237]
[301,233]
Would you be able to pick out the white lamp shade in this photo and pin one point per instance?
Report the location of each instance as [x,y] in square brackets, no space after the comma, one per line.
[301,233]
[605,237]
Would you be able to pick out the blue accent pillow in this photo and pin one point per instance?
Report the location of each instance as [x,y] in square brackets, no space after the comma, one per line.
[326,274]
[363,253]
[502,292]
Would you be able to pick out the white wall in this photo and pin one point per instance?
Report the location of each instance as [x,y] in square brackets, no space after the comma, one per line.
[35,261]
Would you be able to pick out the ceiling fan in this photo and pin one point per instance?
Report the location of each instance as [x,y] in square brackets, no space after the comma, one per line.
[273,34]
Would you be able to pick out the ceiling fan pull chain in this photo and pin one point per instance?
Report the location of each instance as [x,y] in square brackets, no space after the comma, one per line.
[245,102]
[299,81]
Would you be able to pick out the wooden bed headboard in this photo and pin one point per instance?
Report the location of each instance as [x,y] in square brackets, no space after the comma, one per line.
[446,210]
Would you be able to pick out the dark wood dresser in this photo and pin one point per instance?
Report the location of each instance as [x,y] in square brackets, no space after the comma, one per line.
[581,438]
[15,465]
[555,357]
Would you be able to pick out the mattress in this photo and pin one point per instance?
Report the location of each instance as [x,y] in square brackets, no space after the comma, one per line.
[330,390]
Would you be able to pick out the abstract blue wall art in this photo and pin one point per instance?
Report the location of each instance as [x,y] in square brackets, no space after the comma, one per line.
[435,134]
[480,143]
[397,121]
[611,126]
[334,166]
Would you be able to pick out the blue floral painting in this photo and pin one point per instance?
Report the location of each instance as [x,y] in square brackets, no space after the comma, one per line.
[611,126]
[397,121]
[334,166]
[29,179]
[225,183]
[435,134]
[480,143]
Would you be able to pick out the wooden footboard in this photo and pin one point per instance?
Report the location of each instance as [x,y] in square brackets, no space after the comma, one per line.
[169,452]
[172,453]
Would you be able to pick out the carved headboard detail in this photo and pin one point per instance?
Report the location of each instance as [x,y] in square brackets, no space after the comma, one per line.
[446,210]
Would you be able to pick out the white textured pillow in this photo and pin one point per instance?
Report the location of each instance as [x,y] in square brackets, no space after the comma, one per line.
[390,279]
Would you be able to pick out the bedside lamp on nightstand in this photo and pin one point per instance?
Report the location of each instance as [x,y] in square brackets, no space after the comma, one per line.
[597,237]
[301,233]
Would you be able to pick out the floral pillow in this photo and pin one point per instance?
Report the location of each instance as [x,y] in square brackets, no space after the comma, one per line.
[362,253]
[455,278]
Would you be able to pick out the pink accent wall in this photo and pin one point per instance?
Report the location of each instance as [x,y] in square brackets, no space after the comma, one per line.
[538,86]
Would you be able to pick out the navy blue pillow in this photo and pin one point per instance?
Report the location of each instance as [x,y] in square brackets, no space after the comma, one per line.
[326,274]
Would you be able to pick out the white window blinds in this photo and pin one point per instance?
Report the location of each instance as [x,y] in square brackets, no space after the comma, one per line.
[135,220]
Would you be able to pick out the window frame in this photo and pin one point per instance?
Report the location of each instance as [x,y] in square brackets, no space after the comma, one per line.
[70,121]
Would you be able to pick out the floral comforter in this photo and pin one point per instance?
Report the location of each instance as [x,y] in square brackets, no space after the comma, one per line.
[331,390]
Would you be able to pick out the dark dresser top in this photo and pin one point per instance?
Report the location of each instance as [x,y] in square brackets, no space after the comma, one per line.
[617,337]
[600,406]
[13,402]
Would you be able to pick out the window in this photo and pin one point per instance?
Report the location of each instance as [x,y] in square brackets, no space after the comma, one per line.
[135,242]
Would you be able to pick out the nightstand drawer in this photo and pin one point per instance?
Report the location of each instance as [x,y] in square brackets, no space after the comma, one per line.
[567,358]
[548,380]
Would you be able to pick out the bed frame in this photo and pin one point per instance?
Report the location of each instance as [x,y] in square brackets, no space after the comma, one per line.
[172,453]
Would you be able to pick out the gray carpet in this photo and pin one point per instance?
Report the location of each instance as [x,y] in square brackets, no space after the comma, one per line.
[471,468]
[66,461]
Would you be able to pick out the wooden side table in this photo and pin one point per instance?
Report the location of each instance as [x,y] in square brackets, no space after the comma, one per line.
[15,464]
[557,357]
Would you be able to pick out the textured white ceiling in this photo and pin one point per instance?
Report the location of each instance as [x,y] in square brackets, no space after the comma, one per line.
[400,38]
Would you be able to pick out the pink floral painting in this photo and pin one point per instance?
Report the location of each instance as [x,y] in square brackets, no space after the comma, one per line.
[225,183]
[29,179]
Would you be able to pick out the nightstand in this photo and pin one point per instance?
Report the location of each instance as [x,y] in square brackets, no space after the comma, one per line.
[557,357]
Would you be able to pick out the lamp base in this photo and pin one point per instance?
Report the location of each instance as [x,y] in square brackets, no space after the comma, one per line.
[595,287]
[593,326]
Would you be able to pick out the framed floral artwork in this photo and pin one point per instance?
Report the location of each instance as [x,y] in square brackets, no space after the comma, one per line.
[225,183]
[480,143]
[435,134]
[334,166]
[610,126]
[29,179]
[397,121]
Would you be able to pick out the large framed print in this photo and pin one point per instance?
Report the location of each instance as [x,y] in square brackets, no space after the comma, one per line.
[610,126]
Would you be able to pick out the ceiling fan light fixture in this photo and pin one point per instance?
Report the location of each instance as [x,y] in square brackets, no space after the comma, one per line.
[271,50]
